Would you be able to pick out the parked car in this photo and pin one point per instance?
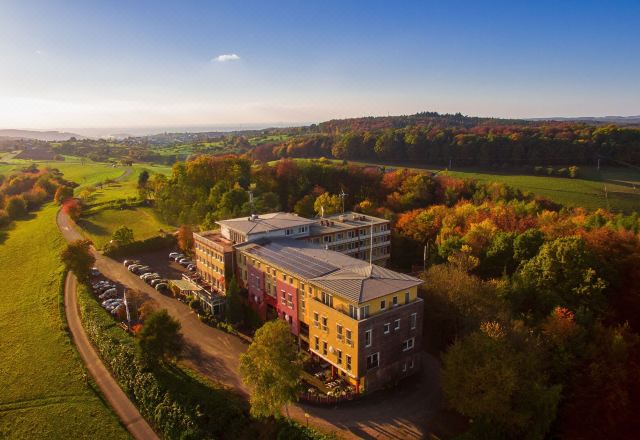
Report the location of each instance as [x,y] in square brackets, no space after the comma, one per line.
[151,278]
[104,288]
[95,272]
[157,281]
[109,294]
[146,275]
[130,262]
[191,267]
[177,257]
[99,284]
[133,266]
[162,287]
[108,302]
[112,306]
[185,262]
[173,255]
[117,309]
[141,270]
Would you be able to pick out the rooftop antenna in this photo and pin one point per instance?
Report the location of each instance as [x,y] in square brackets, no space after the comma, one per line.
[342,196]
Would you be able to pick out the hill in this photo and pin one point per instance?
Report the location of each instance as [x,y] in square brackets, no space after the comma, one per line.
[37,134]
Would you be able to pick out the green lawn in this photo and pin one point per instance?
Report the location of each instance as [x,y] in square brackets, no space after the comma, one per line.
[144,222]
[44,391]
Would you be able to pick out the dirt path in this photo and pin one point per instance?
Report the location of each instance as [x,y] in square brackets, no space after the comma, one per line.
[118,400]
[403,413]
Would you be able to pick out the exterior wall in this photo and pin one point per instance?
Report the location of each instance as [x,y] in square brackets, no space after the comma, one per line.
[390,346]
[288,305]
[213,263]
[375,306]
[255,287]
[336,341]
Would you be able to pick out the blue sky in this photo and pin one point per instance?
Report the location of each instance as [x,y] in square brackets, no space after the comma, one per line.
[142,63]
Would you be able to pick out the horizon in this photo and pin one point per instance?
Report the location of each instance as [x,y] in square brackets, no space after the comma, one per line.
[104,67]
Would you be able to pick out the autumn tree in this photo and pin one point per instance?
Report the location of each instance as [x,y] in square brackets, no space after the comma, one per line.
[185,239]
[271,366]
[327,204]
[63,193]
[160,339]
[77,258]
[16,207]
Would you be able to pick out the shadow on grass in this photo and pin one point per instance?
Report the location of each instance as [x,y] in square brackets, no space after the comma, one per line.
[92,228]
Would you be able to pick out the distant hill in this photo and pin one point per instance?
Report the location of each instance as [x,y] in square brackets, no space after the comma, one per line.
[618,120]
[39,135]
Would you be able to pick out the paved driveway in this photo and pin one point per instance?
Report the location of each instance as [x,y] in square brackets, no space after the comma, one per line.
[403,413]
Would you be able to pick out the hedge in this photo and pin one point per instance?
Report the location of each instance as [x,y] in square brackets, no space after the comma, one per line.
[137,247]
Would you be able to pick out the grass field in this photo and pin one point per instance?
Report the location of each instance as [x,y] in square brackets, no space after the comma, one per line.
[100,226]
[44,391]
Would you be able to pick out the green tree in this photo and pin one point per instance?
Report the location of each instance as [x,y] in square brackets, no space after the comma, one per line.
[143,184]
[305,206]
[77,258]
[233,305]
[501,386]
[16,207]
[527,244]
[272,367]
[160,338]
[332,204]
[123,236]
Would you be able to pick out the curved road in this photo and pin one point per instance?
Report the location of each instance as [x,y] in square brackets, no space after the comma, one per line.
[405,413]
[122,406]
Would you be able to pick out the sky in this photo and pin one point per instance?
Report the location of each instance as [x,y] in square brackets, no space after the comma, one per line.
[80,64]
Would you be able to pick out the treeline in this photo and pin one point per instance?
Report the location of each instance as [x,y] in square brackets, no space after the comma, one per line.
[211,188]
[490,144]
[535,313]
[29,188]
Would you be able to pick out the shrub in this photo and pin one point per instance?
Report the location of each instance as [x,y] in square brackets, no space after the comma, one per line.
[4,218]
[16,207]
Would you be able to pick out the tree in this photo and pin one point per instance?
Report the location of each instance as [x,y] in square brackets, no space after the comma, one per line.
[63,193]
[332,204]
[123,236]
[73,208]
[160,338]
[304,206]
[143,180]
[77,258]
[500,385]
[16,207]
[527,244]
[272,367]
[233,305]
[185,239]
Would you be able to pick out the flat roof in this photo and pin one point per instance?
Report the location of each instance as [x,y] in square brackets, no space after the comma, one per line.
[265,222]
[185,285]
[215,238]
[349,277]
[345,221]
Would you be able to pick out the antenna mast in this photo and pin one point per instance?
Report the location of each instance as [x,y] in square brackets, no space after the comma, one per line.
[342,196]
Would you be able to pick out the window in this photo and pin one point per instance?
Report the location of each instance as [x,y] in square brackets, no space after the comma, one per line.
[290,300]
[383,305]
[302,287]
[283,298]
[302,302]
[352,311]
[317,343]
[411,363]
[348,336]
[339,331]
[290,280]
[348,362]
[395,301]
[288,232]
[368,338]
[364,312]
[412,320]
[387,328]
[406,297]
[327,299]
[315,319]
[373,361]
[339,355]
[396,324]
[404,367]
[408,344]
[324,348]
[324,323]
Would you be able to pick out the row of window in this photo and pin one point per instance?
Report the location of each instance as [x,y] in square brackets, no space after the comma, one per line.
[373,361]
[368,335]
[205,250]
[338,353]
[324,325]
[394,301]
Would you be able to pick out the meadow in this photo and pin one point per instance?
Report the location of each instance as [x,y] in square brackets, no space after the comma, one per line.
[45,391]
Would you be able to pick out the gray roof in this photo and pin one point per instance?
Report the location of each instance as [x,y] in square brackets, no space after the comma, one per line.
[363,282]
[346,221]
[354,279]
[265,222]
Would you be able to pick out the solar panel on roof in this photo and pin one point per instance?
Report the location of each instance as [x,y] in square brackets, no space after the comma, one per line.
[296,262]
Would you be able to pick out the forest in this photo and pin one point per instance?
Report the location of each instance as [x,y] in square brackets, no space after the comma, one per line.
[532,307]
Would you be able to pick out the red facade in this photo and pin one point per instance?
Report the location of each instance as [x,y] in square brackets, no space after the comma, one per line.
[288,305]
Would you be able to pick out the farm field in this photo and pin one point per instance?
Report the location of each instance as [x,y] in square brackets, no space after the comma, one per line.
[45,392]
[588,190]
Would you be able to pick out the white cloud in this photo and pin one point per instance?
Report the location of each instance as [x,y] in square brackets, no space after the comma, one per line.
[226,57]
